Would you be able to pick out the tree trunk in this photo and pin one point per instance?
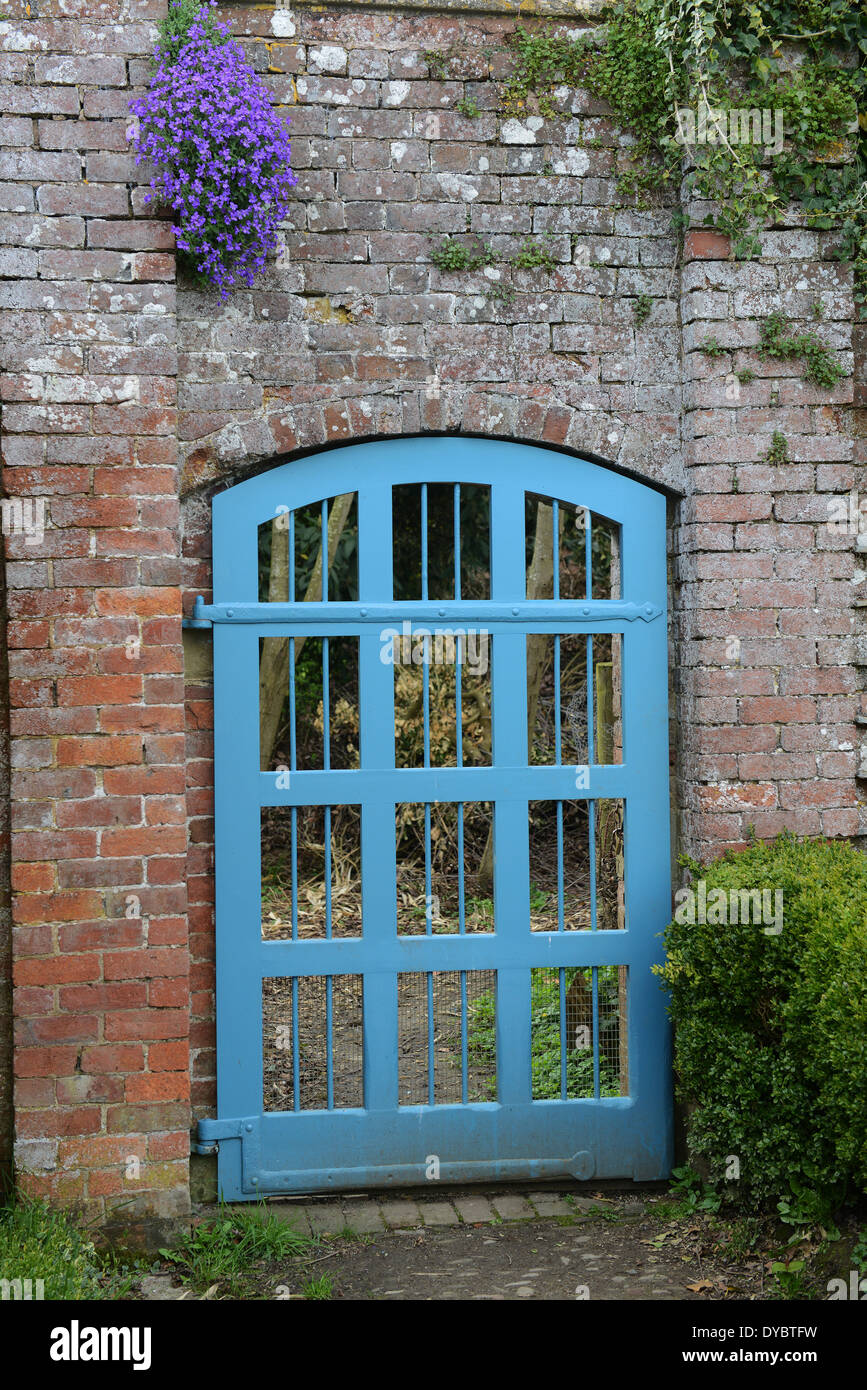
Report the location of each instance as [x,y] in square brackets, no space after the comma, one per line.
[540,584]
[274,667]
[609,839]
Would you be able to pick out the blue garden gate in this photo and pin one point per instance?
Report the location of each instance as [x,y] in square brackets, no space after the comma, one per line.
[523,1073]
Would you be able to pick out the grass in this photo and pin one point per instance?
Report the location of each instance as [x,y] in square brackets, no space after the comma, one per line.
[323,1287]
[221,1251]
[38,1242]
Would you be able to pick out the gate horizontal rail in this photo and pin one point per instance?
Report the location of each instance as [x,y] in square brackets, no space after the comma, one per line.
[559,614]
[345,955]
[344,786]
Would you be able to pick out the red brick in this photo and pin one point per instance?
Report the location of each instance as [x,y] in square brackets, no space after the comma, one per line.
[141,602]
[144,965]
[56,970]
[147,1025]
[33,878]
[46,1124]
[103,751]
[115,1057]
[163,1086]
[144,840]
[163,1146]
[100,690]
[44,1061]
[168,1056]
[778,710]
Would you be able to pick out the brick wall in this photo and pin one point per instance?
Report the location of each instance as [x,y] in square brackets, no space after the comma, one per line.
[123,396]
[95,665]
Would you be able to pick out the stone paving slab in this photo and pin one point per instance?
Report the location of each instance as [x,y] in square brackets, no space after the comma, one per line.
[550,1204]
[373,1215]
[294,1214]
[158,1288]
[400,1213]
[327,1219]
[511,1207]
[438,1214]
[589,1204]
[473,1209]
[363,1217]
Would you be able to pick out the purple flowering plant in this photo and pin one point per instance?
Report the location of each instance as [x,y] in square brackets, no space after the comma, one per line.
[221,154]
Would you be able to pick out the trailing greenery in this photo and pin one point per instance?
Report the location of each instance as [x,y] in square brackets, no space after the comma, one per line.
[437,63]
[823,369]
[778,453]
[469,107]
[532,254]
[771,1029]
[641,308]
[174,28]
[658,57]
[39,1242]
[452,254]
[777,340]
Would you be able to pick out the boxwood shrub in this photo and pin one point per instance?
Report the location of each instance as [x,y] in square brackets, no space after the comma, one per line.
[771,1027]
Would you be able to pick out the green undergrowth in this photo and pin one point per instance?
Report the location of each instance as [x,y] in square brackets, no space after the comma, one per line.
[220,1251]
[545,1039]
[770,1026]
[48,1244]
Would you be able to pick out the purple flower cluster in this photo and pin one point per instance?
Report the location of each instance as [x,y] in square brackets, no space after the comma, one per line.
[221,154]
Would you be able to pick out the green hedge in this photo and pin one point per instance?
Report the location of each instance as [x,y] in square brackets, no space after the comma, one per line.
[771,1028]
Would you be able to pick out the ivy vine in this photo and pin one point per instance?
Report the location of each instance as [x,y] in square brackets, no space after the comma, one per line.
[777,340]
[655,58]
[823,369]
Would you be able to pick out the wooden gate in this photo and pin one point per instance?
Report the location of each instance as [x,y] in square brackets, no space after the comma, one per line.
[435,934]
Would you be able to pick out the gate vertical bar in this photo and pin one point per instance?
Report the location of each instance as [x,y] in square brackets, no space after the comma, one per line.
[647,853]
[378,860]
[238,881]
[511,834]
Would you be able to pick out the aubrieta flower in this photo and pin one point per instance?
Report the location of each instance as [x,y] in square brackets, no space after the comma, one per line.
[220,152]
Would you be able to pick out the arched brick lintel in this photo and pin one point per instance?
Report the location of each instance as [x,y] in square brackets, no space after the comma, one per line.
[293,431]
